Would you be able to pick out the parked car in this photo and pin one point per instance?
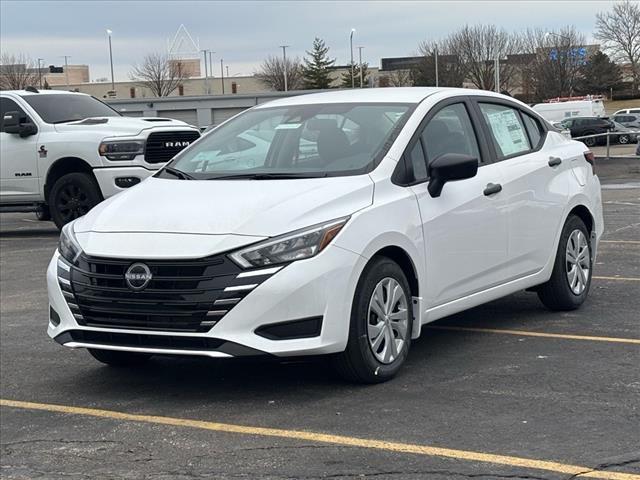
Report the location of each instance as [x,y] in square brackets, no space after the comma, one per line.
[623,135]
[583,126]
[61,153]
[630,120]
[628,110]
[401,206]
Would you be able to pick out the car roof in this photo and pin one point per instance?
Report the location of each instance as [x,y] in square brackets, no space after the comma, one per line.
[26,93]
[375,95]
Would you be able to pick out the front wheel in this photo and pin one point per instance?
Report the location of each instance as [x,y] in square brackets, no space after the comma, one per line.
[115,358]
[623,139]
[380,326]
[570,280]
[72,196]
[590,141]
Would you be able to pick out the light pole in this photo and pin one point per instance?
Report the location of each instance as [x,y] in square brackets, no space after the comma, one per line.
[353,30]
[113,82]
[222,74]
[284,63]
[66,70]
[496,74]
[360,66]
[204,54]
[40,72]
[435,54]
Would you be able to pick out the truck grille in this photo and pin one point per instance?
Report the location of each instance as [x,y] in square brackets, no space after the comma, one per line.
[163,146]
[182,295]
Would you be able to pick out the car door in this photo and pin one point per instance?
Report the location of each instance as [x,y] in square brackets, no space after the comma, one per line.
[18,160]
[535,182]
[465,228]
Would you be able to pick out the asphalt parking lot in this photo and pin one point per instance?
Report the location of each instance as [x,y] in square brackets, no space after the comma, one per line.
[506,390]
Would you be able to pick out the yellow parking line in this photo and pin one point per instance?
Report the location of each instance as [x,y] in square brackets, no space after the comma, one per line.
[623,279]
[633,341]
[330,439]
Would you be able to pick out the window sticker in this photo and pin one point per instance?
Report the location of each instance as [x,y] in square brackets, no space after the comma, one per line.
[508,132]
[288,126]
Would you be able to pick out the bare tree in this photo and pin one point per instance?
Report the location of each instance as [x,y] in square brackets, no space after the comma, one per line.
[400,78]
[159,74]
[450,71]
[558,61]
[476,49]
[619,30]
[17,72]
[271,73]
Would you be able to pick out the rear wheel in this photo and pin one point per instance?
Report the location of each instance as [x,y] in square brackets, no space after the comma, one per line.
[43,214]
[569,284]
[623,139]
[591,141]
[72,196]
[119,359]
[380,328]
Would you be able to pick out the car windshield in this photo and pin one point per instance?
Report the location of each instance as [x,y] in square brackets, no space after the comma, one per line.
[68,107]
[296,141]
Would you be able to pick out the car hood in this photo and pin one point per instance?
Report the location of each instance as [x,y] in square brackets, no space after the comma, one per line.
[118,125]
[256,208]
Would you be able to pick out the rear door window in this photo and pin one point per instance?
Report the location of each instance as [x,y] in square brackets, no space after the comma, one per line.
[507,130]
[533,129]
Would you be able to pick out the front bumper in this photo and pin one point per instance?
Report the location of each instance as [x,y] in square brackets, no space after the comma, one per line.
[318,288]
[109,177]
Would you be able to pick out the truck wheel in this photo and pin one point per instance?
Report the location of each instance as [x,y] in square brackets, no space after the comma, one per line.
[72,196]
[43,214]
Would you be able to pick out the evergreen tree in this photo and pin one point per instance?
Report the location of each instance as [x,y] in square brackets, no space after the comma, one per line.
[599,75]
[316,68]
[345,79]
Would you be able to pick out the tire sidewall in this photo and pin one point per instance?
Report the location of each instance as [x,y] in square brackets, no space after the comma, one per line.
[573,223]
[84,181]
[358,339]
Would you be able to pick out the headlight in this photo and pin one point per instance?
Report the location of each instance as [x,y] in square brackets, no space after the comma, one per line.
[68,246]
[121,149]
[297,245]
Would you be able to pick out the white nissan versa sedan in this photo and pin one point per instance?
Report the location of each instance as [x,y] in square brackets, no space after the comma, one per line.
[358,217]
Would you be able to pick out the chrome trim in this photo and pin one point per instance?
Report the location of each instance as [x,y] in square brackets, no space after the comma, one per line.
[64,281]
[160,351]
[64,265]
[227,301]
[258,273]
[73,305]
[208,323]
[239,288]
[77,316]
[212,313]
[68,294]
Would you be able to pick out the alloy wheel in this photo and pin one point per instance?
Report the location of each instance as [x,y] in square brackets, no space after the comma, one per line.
[388,320]
[578,261]
[73,202]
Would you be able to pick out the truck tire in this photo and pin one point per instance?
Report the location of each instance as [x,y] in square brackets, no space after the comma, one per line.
[43,214]
[72,196]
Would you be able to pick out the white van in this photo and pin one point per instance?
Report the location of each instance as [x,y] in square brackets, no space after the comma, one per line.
[558,111]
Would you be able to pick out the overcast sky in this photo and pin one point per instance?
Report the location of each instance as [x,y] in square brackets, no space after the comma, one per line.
[244,33]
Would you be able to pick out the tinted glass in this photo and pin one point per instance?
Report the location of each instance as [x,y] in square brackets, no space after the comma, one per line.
[450,131]
[8,105]
[418,163]
[321,139]
[533,129]
[507,131]
[68,107]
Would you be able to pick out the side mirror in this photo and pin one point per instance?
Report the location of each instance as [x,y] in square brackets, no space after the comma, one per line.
[11,124]
[450,167]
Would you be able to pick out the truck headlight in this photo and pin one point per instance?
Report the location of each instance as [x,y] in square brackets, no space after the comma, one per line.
[298,245]
[68,246]
[121,149]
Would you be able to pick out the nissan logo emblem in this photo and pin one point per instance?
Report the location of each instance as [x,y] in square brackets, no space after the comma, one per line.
[138,276]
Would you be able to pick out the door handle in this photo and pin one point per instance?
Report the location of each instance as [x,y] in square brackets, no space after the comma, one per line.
[554,161]
[492,188]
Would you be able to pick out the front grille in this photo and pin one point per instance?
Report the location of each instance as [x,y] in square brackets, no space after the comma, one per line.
[182,296]
[163,146]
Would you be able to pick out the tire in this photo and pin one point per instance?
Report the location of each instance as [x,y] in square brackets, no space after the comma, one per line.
[590,142]
[72,196]
[623,139]
[560,292]
[359,362]
[115,358]
[43,214]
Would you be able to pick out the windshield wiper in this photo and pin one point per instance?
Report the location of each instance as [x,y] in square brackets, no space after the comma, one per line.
[269,176]
[177,173]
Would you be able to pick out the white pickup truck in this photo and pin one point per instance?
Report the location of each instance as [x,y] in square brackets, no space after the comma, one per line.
[61,153]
